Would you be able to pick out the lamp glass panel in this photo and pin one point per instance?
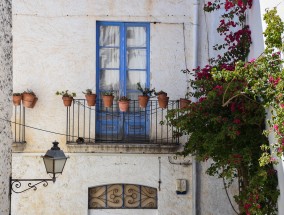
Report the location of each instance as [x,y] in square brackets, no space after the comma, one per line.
[48,164]
[59,165]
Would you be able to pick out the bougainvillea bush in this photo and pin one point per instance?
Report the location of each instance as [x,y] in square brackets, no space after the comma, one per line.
[226,119]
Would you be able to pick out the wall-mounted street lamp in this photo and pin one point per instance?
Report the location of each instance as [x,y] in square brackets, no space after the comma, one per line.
[54,161]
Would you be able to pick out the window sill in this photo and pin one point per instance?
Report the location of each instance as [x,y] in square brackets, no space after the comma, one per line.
[123,148]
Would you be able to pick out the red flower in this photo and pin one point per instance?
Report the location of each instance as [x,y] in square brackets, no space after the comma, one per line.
[247,206]
[276,127]
[233,107]
[237,121]
[238,133]
[274,81]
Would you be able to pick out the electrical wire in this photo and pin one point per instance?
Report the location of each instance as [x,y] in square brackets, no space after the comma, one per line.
[39,129]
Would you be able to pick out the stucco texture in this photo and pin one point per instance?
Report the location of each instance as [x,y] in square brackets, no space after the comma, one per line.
[5,102]
[69,194]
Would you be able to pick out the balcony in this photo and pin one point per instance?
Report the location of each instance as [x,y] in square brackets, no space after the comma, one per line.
[99,128]
[18,127]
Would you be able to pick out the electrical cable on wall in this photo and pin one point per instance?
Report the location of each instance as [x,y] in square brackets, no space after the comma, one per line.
[39,129]
[159,173]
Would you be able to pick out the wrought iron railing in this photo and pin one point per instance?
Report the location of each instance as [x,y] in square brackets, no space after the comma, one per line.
[98,124]
[19,124]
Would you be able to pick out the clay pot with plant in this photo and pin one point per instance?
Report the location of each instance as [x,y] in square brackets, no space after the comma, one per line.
[146,94]
[163,99]
[90,97]
[66,97]
[123,103]
[29,99]
[17,98]
[108,98]
[184,102]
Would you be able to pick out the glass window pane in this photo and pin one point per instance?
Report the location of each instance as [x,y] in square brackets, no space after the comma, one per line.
[109,79]
[136,59]
[133,77]
[109,58]
[109,35]
[136,36]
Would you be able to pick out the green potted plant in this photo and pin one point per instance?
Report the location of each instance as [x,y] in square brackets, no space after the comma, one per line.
[123,103]
[90,97]
[144,98]
[17,98]
[29,98]
[108,98]
[163,100]
[66,97]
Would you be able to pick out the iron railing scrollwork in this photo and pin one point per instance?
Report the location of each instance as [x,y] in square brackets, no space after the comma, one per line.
[123,196]
[16,184]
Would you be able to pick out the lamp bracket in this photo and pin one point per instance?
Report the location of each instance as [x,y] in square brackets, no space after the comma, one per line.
[16,184]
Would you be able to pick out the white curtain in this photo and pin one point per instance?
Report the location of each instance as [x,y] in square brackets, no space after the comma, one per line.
[135,69]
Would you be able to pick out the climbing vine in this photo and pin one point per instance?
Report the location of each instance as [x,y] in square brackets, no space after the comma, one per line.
[227,121]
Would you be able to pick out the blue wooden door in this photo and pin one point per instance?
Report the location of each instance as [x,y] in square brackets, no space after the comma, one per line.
[122,61]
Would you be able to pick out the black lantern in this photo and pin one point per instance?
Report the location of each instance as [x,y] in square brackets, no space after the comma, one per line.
[54,160]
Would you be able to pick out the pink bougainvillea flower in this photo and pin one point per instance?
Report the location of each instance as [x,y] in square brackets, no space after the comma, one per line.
[274,81]
[237,121]
[233,107]
[247,206]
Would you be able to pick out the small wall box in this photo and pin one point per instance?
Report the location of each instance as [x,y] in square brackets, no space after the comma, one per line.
[181,186]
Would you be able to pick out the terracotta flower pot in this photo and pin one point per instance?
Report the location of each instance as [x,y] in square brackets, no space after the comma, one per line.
[29,100]
[143,101]
[162,95]
[91,99]
[17,100]
[67,101]
[108,100]
[123,106]
[163,101]
[183,103]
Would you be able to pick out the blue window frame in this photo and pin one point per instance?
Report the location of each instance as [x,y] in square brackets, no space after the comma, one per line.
[123,59]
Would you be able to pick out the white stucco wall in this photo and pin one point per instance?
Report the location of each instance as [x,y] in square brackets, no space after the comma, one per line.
[211,195]
[257,25]
[69,194]
[5,103]
[55,49]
